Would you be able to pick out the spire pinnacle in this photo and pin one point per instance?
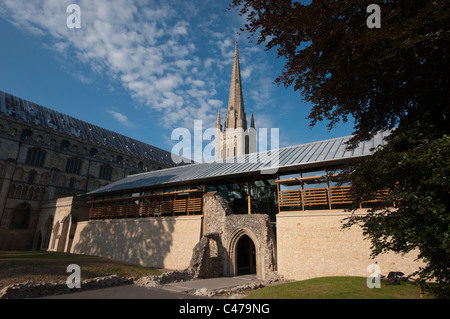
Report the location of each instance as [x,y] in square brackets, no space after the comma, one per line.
[236,115]
[219,121]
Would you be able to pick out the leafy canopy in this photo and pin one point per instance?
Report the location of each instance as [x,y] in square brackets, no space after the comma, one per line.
[396,76]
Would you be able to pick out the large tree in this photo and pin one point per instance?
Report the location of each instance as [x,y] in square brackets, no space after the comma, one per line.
[392,77]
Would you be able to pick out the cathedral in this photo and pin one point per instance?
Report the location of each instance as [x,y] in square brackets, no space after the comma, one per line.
[70,186]
[235,138]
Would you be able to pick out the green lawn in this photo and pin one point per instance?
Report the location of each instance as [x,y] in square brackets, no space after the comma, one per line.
[22,266]
[337,288]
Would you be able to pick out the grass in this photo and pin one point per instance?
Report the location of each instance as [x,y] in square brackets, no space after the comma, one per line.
[22,266]
[338,288]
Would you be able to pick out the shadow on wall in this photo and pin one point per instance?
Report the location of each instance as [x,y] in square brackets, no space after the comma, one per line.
[145,241]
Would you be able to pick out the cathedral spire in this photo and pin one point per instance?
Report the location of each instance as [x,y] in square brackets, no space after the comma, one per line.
[236,117]
[219,121]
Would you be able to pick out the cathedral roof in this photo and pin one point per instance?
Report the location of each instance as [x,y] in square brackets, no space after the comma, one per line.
[38,115]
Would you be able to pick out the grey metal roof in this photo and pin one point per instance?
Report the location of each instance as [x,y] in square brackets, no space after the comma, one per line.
[316,154]
[33,113]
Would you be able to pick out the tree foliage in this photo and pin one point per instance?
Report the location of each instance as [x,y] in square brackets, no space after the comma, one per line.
[348,71]
[391,78]
[413,169]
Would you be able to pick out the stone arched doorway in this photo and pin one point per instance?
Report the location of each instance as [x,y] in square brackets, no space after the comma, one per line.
[245,256]
[248,235]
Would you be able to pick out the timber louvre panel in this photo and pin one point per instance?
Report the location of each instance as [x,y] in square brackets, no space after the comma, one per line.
[315,196]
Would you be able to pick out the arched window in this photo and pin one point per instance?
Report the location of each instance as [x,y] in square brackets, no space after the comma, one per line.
[18,192]
[119,159]
[35,157]
[93,152]
[31,177]
[20,217]
[64,145]
[18,174]
[247,144]
[26,134]
[72,183]
[73,166]
[105,172]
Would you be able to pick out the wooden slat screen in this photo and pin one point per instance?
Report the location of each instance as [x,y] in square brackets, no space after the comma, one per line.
[194,205]
[179,205]
[289,198]
[341,195]
[315,196]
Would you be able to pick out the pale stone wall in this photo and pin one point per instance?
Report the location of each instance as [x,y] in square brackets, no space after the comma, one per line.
[313,244]
[60,209]
[164,242]
[63,213]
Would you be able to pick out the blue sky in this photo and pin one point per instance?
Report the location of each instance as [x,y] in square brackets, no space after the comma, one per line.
[144,68]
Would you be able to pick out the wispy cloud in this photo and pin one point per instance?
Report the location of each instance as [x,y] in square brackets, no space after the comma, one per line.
[154,49]
[122,119]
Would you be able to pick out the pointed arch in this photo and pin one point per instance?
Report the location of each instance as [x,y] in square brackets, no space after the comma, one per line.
[37,242]
[232,265]
[47,233]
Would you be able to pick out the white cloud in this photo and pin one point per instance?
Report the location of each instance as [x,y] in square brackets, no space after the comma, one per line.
[169,55]
[180,28]
[215,103]
[122,119]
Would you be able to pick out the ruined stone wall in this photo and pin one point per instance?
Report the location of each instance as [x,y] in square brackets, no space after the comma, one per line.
[312,244]
[219,219]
